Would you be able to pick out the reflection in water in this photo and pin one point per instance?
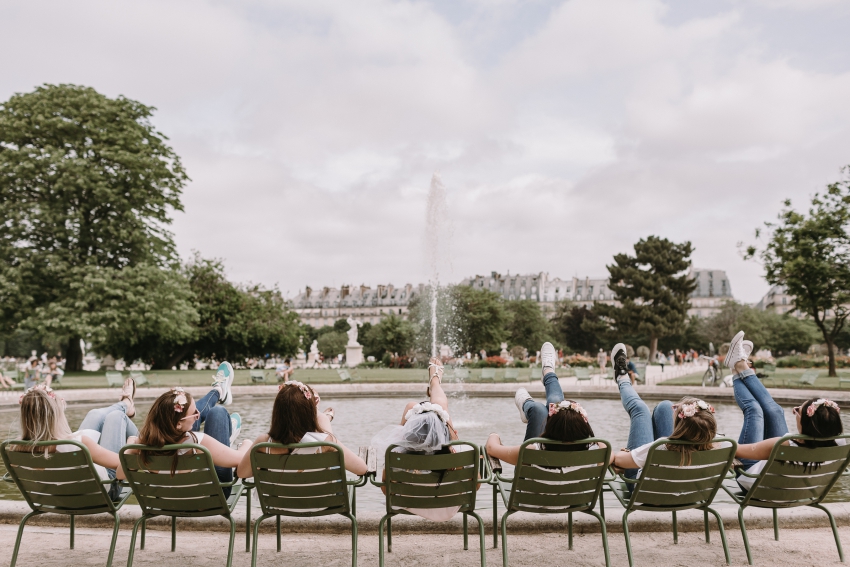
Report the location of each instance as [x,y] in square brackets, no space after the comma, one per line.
[358,419]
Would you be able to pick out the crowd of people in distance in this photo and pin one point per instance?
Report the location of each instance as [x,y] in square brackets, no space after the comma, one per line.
[426,427]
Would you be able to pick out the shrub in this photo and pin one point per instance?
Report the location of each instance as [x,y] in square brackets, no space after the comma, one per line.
[579,360]
[520,364]
[495,362]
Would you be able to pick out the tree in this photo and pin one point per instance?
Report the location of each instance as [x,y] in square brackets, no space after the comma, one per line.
[809,254]
[481,318]
[333,343]
[87,186]
[653,288]
[568,324]
[528,327]
[778,333]
[391,335]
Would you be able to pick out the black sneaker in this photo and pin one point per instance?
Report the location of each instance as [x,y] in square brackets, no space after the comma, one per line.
[621,365]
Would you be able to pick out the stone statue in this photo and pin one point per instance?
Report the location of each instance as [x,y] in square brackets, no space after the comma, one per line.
[314,348]
[352,332]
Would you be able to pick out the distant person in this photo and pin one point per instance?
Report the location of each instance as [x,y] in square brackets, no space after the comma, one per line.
[284,370]
[5,381]
[660,359]
[32,374]
[52,373]
[601,360]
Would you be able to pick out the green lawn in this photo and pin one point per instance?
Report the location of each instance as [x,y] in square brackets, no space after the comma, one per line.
[782,378]
[313,376]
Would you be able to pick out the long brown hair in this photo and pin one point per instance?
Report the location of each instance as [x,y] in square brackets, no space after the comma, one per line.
[700,428]
[293,414]
[42,418]
[160,427]
[568,426]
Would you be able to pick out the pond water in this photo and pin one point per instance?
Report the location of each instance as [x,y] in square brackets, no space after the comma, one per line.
[357,420]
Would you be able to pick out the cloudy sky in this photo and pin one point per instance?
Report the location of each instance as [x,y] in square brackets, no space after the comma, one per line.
[563,131]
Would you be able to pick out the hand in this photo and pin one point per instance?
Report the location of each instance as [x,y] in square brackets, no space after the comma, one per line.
[496,441]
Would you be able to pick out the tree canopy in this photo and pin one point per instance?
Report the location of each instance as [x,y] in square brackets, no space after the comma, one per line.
[527,326]
[809,254]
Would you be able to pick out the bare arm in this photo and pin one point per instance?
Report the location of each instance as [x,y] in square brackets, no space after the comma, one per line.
[757,451]
[623,460]
[243,470]
[222,455]
[101,456]
[505,453]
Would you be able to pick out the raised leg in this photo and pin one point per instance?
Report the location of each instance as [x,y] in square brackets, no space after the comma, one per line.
[723,535]
[744,535]
[834,530]
[465,532]
[21,535]
[114,540]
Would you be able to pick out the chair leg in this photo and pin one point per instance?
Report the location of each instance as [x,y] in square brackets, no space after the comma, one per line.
[390,534]
[602,503]
[834,530]
[21,535]
[744,535]
[775,526]
[722,534]
[353,519]
[570,530]
[256,538]
[277,521]
[481,538]
[354,501]
[705,525]
[144,525]
[232,541]
[114,540]
[465,532]
[495,519]
[173,533]
[675,529]
[248,521]
[384,519]
[628,539]
[72,531]
[140,521]
[505,538]
[604,530]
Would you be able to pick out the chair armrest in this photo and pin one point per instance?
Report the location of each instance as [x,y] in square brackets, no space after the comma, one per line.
[359,481]
[497,477]
[248,484]
[373,478]
[370,457]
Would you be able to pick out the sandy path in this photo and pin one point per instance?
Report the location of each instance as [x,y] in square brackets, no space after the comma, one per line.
[47,547]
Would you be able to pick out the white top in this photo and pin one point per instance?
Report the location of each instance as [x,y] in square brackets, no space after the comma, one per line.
[747,482]
[92,434]
[188,439]
[640,454]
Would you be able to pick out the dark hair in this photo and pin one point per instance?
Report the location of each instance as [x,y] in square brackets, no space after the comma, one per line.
[700,428]
[568,426]
[160,427]
[825,422]
[293,414]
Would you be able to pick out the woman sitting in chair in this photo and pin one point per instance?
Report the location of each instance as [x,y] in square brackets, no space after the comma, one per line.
[691,419]
[296,419]
[103,431]
[175,418]
[764,419]
[562,420]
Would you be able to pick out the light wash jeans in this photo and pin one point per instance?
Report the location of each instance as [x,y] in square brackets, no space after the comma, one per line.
[217,424]
[763,417]
[536,412]
[644,427]
[114,427]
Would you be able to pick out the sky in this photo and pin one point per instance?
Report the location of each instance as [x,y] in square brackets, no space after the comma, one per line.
[563,131]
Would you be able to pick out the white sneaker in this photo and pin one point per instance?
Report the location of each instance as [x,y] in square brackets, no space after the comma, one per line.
[736,352]
[748,348]
[548,357]
[519,399]
[224,380]
[235,427]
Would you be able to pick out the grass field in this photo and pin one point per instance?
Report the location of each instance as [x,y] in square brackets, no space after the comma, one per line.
[782,378]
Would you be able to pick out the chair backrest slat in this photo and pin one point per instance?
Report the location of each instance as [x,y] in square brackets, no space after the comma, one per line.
[64,483]
[301,484]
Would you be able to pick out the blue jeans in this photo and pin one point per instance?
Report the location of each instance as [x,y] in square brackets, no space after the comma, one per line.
[536,412]
[217,425]
[114,427]
[644,427]
[763,417]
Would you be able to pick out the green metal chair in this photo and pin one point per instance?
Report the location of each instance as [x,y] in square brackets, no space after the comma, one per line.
[511,375]
[140,379]
[784,483]
[15,377]
[535,374]
[258,375]
[114,379]
[461,374]
[432,481]
[541,486]
[194,491]
[806,380]
[302,486]
[665,486]
[582,373]
[63,483]
[488,375]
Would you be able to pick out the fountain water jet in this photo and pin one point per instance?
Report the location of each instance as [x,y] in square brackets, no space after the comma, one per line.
[437,232]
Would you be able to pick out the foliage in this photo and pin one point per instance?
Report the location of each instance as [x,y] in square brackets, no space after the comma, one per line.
[392,334]
[653,289]
[568,327]
[799,361]
[809,254]
[332,344]
[580,360]
[527,326]
[87,186]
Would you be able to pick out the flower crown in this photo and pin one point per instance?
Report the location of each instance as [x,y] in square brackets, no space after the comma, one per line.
[308,393]
[568,405]
[810,411]
[47,390]
[180,400]
[690,410]
[426,407]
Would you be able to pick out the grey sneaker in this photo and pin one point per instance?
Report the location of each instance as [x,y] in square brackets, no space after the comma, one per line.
[224,380]
[235,427]
[519,399]
[548,356]
[736,351]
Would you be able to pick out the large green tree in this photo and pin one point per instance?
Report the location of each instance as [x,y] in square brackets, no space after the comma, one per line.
[392,334]
[528,326]
[87,187]
[653,288]
[778,333]
[809,254]
[481,318]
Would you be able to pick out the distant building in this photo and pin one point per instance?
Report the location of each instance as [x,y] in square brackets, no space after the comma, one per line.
[713,290]
[318,308]
[778,300]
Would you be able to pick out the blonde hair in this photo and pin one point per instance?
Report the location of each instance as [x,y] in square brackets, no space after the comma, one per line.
[42,419]
[700,428]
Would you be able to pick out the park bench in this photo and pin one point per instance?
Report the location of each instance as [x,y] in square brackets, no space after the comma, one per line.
[552,482]
[257,375]
[347,375]
[65,483]
[767,372]
[115,379]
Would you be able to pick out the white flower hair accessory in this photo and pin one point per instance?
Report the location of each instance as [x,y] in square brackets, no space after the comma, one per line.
[568,405]
[180,401]
[47,390]
[426,407]
[690,410]
[308,393]
[810,411]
